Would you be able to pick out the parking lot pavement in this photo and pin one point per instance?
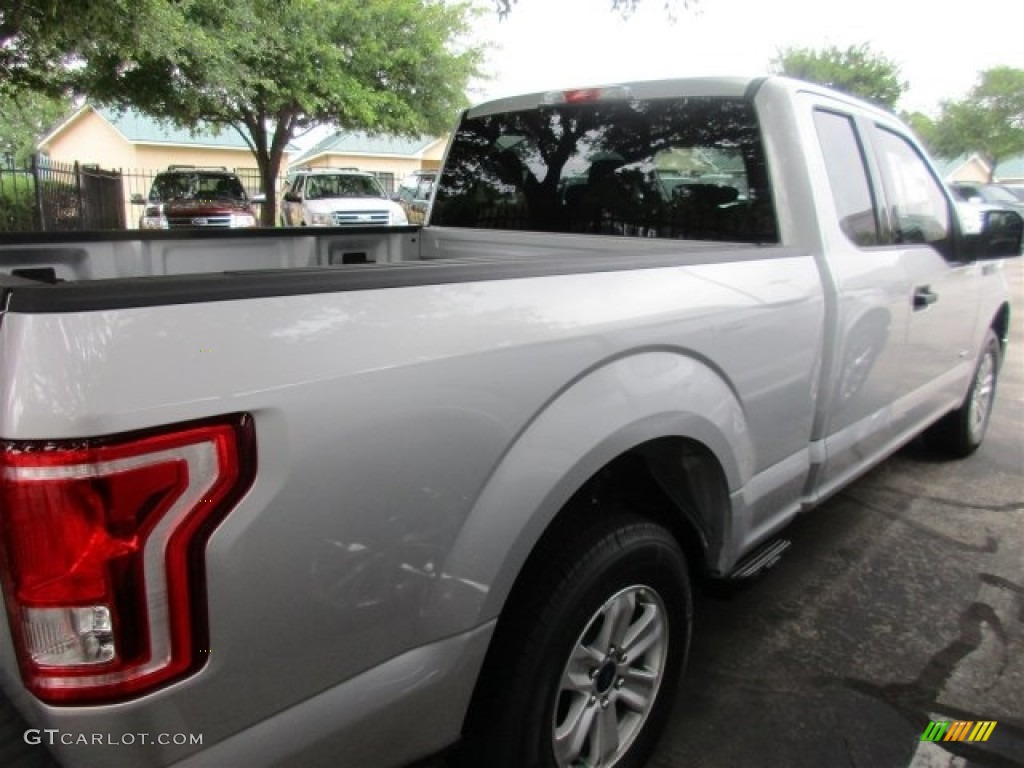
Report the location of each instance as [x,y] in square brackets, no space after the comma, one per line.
[901,601]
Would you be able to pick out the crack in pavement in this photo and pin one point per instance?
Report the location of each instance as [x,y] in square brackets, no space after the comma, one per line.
[998,581]
[990,546]
[919,699]
[1010,506]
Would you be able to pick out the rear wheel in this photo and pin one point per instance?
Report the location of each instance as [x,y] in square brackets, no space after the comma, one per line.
[960,432]
[583,675]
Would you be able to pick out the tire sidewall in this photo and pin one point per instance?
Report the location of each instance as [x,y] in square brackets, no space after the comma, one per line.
[646,560]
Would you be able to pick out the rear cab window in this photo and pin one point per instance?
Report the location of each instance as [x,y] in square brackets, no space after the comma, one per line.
[683,168]
[848,178]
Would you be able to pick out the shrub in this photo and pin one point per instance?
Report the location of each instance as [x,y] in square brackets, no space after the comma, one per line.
[17,202]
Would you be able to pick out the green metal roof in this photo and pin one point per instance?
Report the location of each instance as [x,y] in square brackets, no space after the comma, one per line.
[1011,168]
[342,143]
[946,165]
[141,128]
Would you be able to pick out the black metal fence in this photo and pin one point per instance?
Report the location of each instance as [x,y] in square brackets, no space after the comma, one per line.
[57,197]
[60,197]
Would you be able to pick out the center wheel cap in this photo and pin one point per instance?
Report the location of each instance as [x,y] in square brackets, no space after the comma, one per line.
[605,677]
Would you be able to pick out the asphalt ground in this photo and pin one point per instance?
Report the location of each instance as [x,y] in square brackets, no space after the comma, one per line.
[901,601]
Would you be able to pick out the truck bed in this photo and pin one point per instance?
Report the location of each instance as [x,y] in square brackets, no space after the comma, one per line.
[94,271]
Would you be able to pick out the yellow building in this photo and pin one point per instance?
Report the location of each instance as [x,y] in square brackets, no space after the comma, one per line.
[140,147]
[969,168]
[137,144]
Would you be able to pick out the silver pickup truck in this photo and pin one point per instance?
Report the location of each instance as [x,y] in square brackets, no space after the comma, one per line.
[352,497]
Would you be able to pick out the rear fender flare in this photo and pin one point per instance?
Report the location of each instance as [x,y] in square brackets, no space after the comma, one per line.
[598,417]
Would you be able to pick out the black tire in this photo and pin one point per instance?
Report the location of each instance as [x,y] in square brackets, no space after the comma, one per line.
[540,671]
[961,431]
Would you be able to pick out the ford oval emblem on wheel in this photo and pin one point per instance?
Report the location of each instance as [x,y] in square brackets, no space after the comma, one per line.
[200,222]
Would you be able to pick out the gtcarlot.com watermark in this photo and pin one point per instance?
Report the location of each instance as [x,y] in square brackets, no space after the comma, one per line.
[52,737]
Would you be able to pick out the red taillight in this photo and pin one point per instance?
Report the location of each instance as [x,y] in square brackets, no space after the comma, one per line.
[102,543]
[581,95]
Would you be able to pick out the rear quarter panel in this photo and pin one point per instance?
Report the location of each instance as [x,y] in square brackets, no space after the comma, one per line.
[412,444]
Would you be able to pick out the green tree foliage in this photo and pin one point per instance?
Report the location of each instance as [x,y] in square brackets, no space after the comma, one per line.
[858,70]
[30,46]
[24,116]
[989,120]
[625,7]
[922,125]
[41,40]
[271,69]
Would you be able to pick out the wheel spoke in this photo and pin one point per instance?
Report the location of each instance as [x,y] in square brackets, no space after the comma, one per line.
[636,692]
[587,656]
[578,673]
[604,738]
[571,735]
[643,633]
[617,615]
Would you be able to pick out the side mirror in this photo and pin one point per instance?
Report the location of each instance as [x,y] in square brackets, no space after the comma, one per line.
[138,199]
[260,198]
[1001,236]
[291,197]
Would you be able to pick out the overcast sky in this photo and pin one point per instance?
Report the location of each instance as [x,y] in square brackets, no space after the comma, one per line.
[940,47]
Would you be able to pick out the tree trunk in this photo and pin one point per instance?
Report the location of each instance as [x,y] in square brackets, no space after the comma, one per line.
[268,180]
[283,131]
[268,155]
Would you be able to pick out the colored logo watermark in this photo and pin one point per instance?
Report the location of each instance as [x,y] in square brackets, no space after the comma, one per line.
[958,730]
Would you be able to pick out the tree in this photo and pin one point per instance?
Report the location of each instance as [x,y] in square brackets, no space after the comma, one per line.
[24,117]
[625,7]
[858,70]
[40,39]
[989,120]
[272,69]
[923,126]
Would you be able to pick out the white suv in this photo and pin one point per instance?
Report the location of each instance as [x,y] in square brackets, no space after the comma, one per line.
[337,197]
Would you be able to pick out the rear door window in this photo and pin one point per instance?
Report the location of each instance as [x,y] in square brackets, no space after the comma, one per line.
[848,177]
[688,168]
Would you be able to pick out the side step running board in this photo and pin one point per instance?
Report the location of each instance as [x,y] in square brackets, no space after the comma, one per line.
[761,559]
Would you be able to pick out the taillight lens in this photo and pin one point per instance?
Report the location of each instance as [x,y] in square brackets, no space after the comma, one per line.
[103,543]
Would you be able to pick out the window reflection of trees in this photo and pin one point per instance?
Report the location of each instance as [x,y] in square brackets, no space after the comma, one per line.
[680,168]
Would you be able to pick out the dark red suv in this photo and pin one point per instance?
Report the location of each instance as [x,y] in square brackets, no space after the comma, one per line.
[186,197]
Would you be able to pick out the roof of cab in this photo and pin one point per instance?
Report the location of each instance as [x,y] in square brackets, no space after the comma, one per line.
[727,87]
[644,89]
